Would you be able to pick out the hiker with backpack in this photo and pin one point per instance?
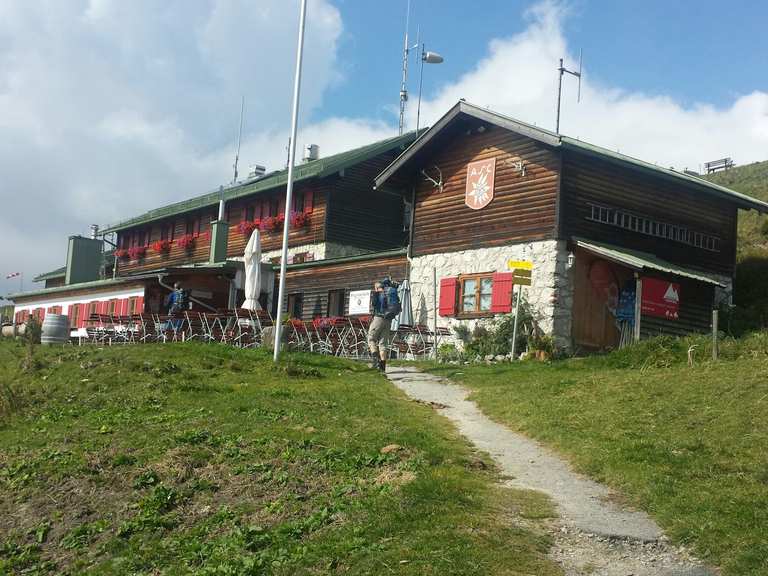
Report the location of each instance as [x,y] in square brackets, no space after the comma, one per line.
[386,306]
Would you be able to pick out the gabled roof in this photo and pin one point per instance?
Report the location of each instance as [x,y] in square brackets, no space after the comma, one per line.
[314,169]
[565,143]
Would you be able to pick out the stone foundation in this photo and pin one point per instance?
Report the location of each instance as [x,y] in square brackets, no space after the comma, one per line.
[550,295]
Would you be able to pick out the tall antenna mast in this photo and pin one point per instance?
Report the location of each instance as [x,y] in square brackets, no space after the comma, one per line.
[403,85]
[239,139]
[563,70]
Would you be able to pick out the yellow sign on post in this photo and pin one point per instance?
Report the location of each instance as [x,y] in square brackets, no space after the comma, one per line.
[519,264]
[523,270]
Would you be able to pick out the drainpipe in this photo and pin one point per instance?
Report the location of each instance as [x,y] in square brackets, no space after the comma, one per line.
[170,289]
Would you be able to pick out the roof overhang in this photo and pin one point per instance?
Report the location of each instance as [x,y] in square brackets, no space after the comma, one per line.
[566,144]
[640,261]
[462,107]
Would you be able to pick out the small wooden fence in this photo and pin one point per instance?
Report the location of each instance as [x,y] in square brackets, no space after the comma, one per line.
[344,336]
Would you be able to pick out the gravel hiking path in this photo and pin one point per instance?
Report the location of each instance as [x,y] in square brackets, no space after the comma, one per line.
[594,534]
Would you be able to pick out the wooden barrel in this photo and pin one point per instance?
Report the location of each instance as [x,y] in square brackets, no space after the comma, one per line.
[55,329]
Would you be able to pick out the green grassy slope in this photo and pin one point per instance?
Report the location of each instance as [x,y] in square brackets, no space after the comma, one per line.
[750,179]
[193,459]
[688,445]
[751,288]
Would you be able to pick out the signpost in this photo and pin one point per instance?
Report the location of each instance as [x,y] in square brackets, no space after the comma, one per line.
[522,270]
[359,302]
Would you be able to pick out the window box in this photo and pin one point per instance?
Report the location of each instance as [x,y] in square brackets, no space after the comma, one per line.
[137,252]
[187,242]
[161,246]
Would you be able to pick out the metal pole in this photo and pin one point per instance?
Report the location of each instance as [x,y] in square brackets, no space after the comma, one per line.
[714,334]
[289,187]
[434,310]
[403,85]
[638,305]
[517,315]
[559,92]
[421,79]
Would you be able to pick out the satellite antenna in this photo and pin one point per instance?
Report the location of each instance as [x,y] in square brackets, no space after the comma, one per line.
[239,139]
[563,70]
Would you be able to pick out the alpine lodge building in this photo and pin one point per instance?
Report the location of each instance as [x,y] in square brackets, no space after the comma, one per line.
[456,210]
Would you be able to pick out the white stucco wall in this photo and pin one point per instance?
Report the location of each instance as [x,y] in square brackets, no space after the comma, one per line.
[550,293]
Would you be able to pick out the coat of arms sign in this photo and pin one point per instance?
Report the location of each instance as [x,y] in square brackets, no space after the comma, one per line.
[480,177]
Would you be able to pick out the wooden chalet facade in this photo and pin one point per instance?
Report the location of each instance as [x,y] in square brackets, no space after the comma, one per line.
[337,217]
[596,225]
[611,239]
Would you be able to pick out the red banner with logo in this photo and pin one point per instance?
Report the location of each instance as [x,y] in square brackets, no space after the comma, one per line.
[661,298]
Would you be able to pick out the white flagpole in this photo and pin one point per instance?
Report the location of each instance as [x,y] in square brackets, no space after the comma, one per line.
[289,187]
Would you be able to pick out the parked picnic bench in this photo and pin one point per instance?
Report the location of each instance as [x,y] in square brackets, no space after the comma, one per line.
[715,165]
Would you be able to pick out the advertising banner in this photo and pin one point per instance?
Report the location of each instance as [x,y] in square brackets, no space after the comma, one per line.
[661,298]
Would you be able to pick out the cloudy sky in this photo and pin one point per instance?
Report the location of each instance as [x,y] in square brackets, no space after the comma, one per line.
[112,107]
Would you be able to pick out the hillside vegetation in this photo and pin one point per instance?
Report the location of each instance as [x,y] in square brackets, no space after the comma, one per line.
[751,288]
[194,459]
[685,443]
[750,179]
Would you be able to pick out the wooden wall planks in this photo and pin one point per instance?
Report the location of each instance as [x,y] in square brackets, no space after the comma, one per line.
[586,180]
[314,283]
[523,207]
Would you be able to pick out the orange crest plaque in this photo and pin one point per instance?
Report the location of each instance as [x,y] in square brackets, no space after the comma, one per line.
[480,177]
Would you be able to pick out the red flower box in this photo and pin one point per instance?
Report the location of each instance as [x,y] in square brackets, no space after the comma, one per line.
[121,253]
[272,223]
[300,219]
[137,252]
[161,246]
[246,227]
[187,241]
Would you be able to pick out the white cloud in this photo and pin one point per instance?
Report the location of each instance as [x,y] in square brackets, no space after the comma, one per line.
[109,108]
[519,78]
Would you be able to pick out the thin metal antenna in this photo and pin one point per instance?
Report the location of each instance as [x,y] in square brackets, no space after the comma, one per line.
[578,97]
[563,70]
[239,139]
[404,83]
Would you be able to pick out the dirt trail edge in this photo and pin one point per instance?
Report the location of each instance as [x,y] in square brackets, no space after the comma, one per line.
[594,535]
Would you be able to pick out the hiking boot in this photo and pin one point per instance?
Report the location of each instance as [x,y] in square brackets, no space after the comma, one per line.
[383,365]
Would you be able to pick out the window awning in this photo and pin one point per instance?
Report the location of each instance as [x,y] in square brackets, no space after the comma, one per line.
[641,260]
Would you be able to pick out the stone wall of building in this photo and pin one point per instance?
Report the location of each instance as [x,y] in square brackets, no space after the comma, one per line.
[550,295]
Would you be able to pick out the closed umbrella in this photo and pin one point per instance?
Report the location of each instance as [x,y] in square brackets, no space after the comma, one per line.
[406,314]
[252,259]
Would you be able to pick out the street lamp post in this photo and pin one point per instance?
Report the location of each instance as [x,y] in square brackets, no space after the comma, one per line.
[426,58]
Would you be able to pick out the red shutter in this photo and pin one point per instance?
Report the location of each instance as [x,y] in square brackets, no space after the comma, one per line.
[308,199]
[41,314]
[83,315]
[122,306]
[448,289]
[501,297]
[139,305]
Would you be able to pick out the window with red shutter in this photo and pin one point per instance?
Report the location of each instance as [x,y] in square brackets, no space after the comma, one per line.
[448,289]
[501,297]
[139,305]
